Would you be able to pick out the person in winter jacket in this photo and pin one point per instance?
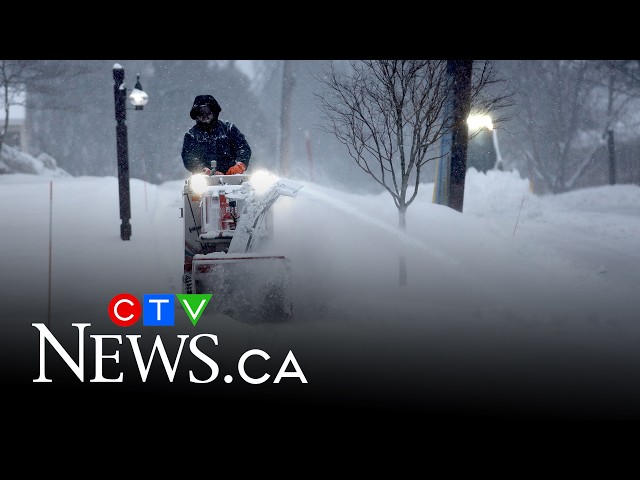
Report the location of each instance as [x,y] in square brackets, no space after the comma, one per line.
[216,140]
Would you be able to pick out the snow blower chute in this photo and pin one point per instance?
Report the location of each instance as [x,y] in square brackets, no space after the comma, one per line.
[228,221]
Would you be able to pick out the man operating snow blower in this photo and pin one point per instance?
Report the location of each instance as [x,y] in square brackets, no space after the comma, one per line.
[228,222]
[213,140]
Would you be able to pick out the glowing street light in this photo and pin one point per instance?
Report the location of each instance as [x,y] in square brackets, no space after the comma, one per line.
[476,122]
[138,97]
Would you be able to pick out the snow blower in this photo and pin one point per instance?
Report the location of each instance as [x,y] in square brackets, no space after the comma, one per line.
[228,221]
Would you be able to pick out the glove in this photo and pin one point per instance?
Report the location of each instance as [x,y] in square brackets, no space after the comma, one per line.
[239,167]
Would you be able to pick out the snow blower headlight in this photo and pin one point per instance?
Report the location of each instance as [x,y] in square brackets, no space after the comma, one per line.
[198,183]
[262,180]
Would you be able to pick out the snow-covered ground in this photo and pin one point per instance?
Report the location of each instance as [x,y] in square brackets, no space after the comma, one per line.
[518,297]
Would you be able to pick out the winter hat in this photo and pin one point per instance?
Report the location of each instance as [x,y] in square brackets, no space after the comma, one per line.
[202,101]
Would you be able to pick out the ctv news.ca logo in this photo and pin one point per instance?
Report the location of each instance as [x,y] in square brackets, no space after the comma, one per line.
[156,310]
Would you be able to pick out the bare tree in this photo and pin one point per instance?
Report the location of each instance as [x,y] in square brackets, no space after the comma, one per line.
[626,73]
[566,112]
[14,76]
[391,115]
[620,82]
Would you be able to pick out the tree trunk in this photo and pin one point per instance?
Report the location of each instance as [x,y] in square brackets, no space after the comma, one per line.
[612,157]
[402,261]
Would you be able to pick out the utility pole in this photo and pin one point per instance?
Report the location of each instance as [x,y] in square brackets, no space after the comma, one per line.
[609,133]
[307,140]
[459,72]
[452,165]
[288,81]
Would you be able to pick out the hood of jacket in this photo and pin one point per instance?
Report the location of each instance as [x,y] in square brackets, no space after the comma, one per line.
[202,101]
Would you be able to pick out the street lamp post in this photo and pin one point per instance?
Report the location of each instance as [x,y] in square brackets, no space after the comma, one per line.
[139,99]
[499,163]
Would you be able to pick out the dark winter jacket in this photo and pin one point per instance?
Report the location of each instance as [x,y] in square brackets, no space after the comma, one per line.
[221,141]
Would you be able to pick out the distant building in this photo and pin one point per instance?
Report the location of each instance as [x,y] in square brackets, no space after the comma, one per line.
[17,134]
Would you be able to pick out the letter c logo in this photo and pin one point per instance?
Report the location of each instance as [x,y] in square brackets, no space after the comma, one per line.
[124,310]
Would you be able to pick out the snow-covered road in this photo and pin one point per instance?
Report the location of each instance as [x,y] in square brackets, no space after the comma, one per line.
[534,311]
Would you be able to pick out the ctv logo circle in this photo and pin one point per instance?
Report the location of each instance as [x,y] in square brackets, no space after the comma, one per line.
[125,309]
